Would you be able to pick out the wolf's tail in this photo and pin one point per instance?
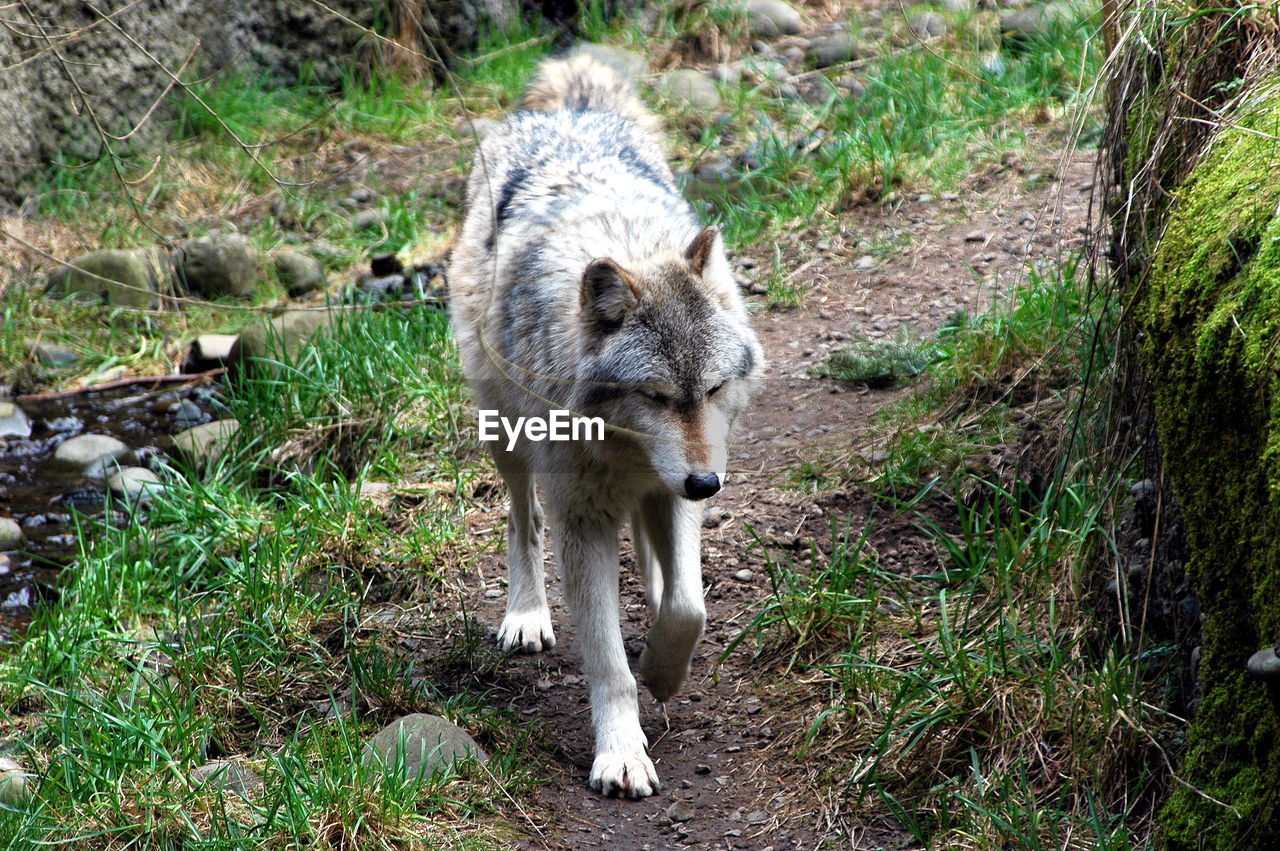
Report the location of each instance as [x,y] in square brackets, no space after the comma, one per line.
[583,82]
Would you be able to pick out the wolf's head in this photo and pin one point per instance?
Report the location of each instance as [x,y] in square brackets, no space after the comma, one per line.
[669,362]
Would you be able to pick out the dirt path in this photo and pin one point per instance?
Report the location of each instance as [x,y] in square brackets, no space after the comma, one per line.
[726,746]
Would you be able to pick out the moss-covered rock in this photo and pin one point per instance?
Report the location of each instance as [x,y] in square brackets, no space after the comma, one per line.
[1210,314]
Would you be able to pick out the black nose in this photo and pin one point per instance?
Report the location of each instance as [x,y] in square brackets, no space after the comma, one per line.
[701,487]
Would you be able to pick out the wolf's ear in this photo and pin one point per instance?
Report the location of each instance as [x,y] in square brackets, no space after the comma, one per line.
[699,251]
[608,295]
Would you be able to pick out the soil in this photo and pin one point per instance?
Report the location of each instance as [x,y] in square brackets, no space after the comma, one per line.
[726,746]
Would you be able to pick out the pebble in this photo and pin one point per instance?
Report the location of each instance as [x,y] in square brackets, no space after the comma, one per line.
[186,414]
[928,25]
[226,775]
[92,455]
[865,263]
[757,817]
[690,89]
[11,535]
[14,421]
[714,516]
[493,593]
[15,782]
[772,18]
[135,483]
[1264,665]
[299,273]
[421,743]
[366,219]
[52,354]
[744,575]
[832,50]
[680,811]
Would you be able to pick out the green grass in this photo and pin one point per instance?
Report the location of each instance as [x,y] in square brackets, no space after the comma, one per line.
[878,363]
[222,625]
[927,116]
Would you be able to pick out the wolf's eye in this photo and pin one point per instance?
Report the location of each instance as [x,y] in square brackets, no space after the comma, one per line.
[654,395]
[714,390]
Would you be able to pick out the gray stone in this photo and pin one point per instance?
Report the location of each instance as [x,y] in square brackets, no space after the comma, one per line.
[136,484]
[14,421]
[299,273]
[219,265]
[430,743]
[691,90]
[283,336]
[186,414]
[772,18]
[366,219]
[714,516]
[1265,664]
[227,776]
[52,354]
[852,86]
[210,350]
[955,5]
[928,25]
[125,278]
[1034,22]
[91,455]
[833,49]
[205,444]
[15,782]
[11,536]
[630,63]
[744,575]
[681,811]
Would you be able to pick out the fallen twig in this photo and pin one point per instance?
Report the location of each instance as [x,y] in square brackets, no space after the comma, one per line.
[193,378]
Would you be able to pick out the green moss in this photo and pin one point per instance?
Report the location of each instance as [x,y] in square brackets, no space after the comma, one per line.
[1211,313]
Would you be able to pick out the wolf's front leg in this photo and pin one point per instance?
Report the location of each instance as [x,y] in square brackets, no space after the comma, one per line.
[587,551]
[527,625]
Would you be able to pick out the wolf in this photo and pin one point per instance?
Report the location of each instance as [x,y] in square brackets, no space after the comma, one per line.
[582,280]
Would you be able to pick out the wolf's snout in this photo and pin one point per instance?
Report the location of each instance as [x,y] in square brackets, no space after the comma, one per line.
[701,487]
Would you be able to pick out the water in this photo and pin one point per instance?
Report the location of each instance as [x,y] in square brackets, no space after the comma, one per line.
[46,502]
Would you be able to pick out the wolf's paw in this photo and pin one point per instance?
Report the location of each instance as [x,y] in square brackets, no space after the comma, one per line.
[529,632]
[662,674]
[628,775]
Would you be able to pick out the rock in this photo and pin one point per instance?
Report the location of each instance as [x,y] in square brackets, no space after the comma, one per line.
[1019,26]
[227,776]
[209,351]
[299,273]
[1145,488]
[219,265]
[833,49]
[681,811]
[15,782]
[284,336]
[135,484]
[691,90]
[125,278]
[430,743]
[772,18]
[205,444]
[366,219]
[714,516]
[1265,664]
[187,414]
[865,263]
[744,575]
[878,457]
[389,286]
[852,86]
[633,65]
[11,536]
[91,455]
[14,421]
[52,354]
[757,817]
[928,25]
[955,5]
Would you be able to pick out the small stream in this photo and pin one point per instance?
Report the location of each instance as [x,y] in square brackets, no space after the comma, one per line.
[44,501]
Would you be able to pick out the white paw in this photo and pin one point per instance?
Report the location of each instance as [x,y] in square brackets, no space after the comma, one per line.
[529,632]
[629,775]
